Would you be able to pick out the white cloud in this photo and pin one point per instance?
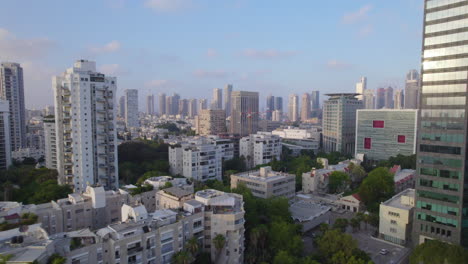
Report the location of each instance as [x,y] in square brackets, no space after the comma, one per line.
[338,65]
[366,30]
[112,69]
[267,54]
[17,49]
[211,53]
[218,74]
[168,5]
[353,17]
[110,47]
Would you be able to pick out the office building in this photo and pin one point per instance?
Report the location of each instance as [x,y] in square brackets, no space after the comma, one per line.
[396,218]
[315,100]
[305,107]
[260,148]
[389,98]
[412,87]
[217,102]
[211,122]
[266,183]
[380,98]
[293,108]
[297,139]
[339,122]
[270,107]
[131,108]
[85,127]
[279,103]
[121,107]
[202,104]
[172,104]
[169,105]
[398,99]
[50,138]
[361,87]
[385,133]
[5,144]
[245,113]
[162,103]
[183,107]
[369,99]
[227,99]
[12,90]
[192,107]
[150,105]
[441,189]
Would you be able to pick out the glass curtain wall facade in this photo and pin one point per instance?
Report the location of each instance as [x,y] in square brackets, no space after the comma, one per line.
[441,191]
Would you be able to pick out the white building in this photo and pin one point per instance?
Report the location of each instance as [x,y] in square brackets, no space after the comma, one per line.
[265,183]
[50,138]
[23,153]
[5,144]
[361,87]
[161,181]
[85,127]
[293,107]
[277,116]
[396,217]
[131,108]
[306,138]
[217,102]
[260,148]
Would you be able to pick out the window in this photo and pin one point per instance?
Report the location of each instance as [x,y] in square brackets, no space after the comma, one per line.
[367,143]
[378,124]
[401,139]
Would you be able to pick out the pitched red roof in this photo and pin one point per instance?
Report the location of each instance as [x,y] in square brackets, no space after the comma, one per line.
[356,195]
[395,168]
[12,217]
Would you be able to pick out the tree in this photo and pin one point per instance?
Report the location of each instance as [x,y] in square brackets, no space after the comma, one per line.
[435,252]
[334,241]
[357,172]
[283,236]
[355,223]
[377,187]
[219,242]
[341,224]
[338,182]
[182,257]
[56,259]
[193,246]
[283,257]
[5,258]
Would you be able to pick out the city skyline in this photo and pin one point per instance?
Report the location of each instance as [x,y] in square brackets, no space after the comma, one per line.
[251,62]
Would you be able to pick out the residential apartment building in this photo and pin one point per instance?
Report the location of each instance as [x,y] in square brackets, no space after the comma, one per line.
[266,183]
[5,142]
[441,187]
[384,133]
[211,122]
[245,113]
[305,107]
[131,108]
[50,138]
[260,148]
[339,122]
[85,127]
[293,108]
[396,217]
[12,90]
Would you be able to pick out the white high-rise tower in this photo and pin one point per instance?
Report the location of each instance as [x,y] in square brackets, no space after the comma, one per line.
[361,87]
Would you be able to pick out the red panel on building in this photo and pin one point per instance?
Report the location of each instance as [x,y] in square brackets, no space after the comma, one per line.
[367,143]
[401,139]
[378,124]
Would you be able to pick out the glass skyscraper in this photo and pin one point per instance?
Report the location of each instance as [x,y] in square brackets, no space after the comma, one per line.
[441,192]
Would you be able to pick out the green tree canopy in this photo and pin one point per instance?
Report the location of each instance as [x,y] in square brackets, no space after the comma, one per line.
[436,252]
[338,182]
[377,187]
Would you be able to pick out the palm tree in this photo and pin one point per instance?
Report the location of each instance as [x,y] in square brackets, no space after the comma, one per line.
[219,242]
[182,257]
[192,246]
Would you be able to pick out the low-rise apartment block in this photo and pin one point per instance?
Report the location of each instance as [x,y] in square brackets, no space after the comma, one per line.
[260,148]
[266,183]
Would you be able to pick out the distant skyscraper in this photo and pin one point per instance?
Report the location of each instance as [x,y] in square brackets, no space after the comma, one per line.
[150,104]
[245,111]
[202,104]
[279,103]
[389,98]
[12,90]
[85,127]
[380,98]
[169,105]
[412,88]
[162,103]
[270,106]
[131,108]
[441,203]
[175,104]
[398,99]
[277,116]
[315,100]
[5,142]
[293,108]
[305,107]
[192,107]
[361,86]
[369,99]
[339,123]
[227,99]
[122,106]
[183,107]
[50,139]
[217,102]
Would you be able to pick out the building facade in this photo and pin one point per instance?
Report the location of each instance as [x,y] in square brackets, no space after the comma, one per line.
[121,107]
[217,102]
[162,103]
[293,108]
[5,141]
[245,113]
[131,108]
[385,133]
[398,99]
[227,99]
[260,148]
[12,90]
[396,218]
[361,87]
[305,107]
[441,187]
[50,138]
[211,122]
[270,107]
[339,123]
[150,105]
[412,87]
[85,127]
[369,99]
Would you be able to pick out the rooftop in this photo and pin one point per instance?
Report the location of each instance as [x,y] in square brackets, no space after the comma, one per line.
[264,174]
[306,211]
[177,192]
[397,201]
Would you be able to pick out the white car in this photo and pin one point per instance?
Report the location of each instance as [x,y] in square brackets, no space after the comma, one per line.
[383,251]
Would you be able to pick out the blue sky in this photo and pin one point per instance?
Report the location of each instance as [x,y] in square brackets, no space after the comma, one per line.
[192,46]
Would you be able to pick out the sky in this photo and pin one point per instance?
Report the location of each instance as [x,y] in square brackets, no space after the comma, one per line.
[193,46]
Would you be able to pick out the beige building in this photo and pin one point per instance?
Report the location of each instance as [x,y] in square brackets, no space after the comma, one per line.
[396,216]
[172,198]
[211,122]
[266,183]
